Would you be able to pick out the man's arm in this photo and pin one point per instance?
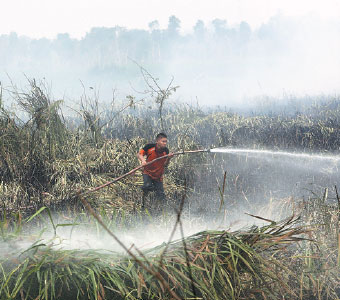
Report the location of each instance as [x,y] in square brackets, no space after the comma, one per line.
[141,158]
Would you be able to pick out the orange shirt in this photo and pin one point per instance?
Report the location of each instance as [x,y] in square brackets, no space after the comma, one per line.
[156,169]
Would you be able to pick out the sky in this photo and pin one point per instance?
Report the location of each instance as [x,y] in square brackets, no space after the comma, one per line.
[47,18]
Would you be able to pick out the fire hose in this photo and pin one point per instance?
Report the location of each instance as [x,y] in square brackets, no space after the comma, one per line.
[142,166]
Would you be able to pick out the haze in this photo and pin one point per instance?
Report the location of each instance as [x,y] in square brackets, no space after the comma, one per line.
[219,54]
[47,18]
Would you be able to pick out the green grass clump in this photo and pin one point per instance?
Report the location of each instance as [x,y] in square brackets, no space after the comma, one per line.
[207,265]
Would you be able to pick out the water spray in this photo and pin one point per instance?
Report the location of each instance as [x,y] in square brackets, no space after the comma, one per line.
[222,150]
[243,151]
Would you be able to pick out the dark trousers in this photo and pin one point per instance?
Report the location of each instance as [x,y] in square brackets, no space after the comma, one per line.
[152,185]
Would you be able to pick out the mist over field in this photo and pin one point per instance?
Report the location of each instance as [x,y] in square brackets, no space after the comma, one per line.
[215,63]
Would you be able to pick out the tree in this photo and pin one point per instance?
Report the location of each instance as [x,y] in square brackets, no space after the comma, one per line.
[156,40]
[245,31]
[220,26]
[173,27]
[199,30]
[153,26]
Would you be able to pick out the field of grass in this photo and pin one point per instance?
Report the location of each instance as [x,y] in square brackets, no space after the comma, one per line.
[50,162]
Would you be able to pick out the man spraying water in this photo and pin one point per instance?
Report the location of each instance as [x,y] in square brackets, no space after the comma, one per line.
[153,173]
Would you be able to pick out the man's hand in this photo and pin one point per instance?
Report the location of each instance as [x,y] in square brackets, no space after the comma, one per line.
[171,154]
[141,159]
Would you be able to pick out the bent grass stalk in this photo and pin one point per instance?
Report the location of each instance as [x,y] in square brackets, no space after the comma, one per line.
[148,269]
[223,266]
